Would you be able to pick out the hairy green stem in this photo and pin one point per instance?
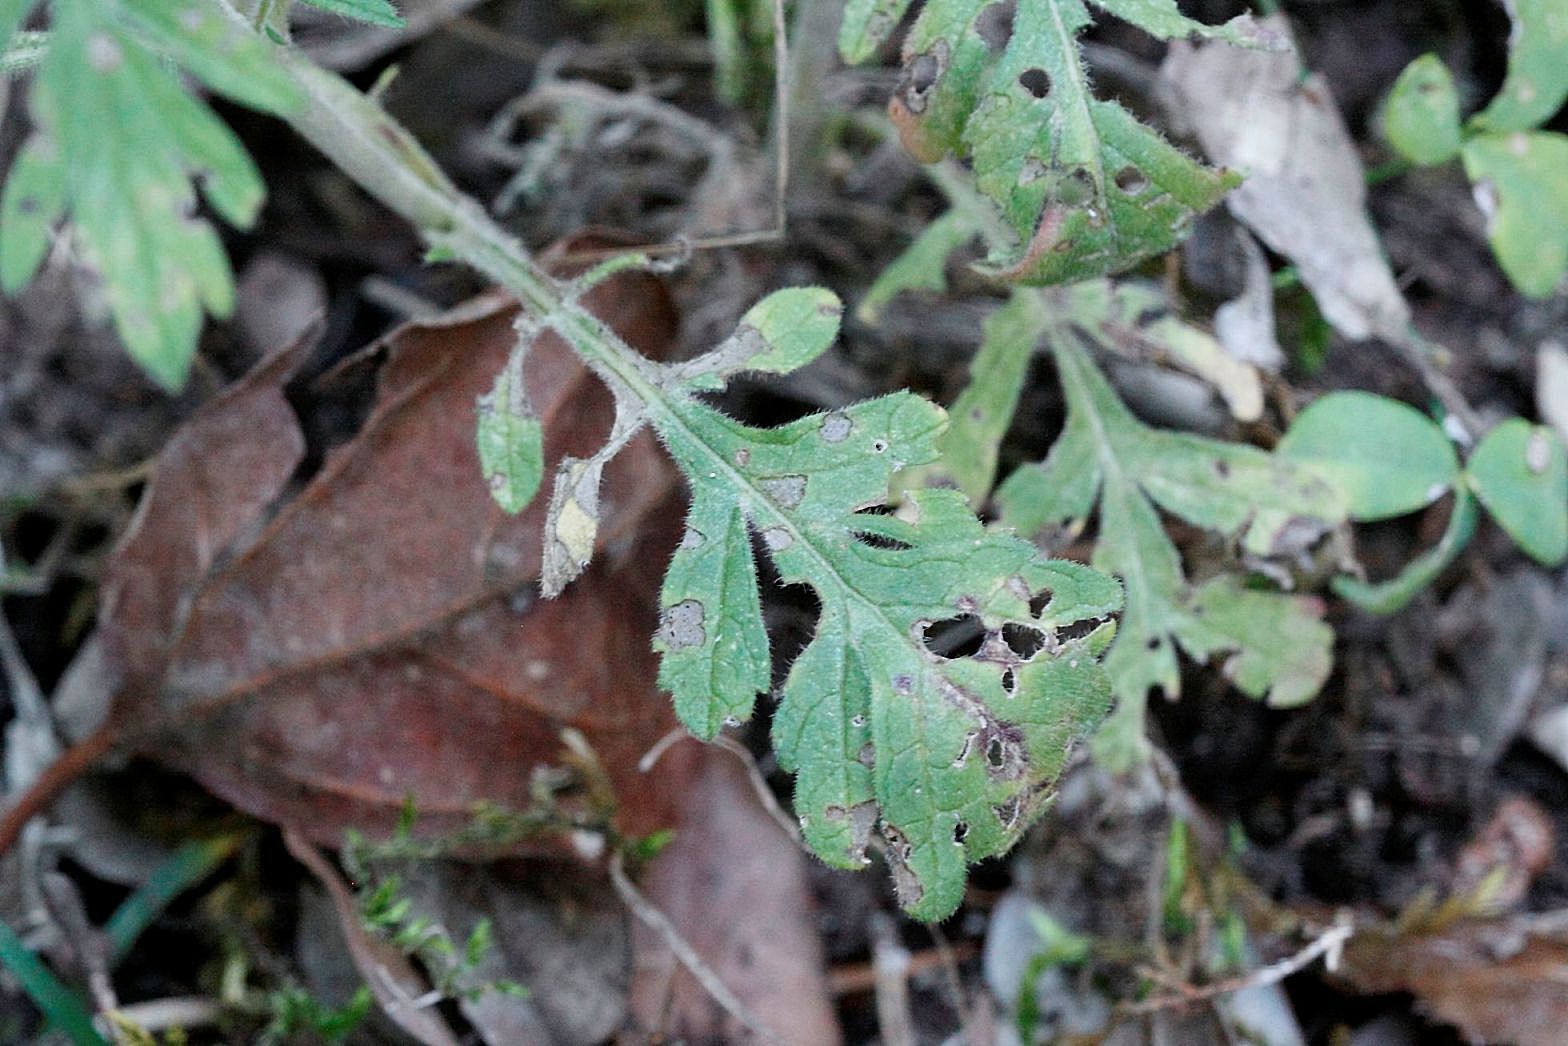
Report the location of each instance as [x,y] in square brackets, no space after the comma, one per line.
[373,149]
[366,143]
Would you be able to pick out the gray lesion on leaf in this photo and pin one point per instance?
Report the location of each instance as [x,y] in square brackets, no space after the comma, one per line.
[1010,812]
[682,625]
[905,882]
[788,491]
[862,818]
[777,539]
[836,428]
[692,539]
[966,750]
[731,356]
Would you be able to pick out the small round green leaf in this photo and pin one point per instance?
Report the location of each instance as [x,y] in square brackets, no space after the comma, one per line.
[1422,118]
[1521,186]
[795,325]
[1520,473]
[1387,457]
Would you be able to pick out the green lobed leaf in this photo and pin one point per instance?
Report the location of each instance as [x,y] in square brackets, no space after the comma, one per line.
[1520,473]
[922,266]
[714,645]
[206,43]
[967,452]
[117,143]
[374,12]
[1273,645]
[1387,457]
[1421,118]
[949,759]
[1521,182]
[1085,188]
[1537,81]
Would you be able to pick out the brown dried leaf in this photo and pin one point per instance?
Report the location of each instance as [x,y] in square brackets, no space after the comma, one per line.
[378,637]
[1305,190]
[734,886]
[1495,980]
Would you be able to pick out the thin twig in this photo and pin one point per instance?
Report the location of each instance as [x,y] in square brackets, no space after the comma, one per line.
[860,977]
[950,976]
[650,916]
[759,784]
[1327,946]
[890,961]
[59,776]
[751,238]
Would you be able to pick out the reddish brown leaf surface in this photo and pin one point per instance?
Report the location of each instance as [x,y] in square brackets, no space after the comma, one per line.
[735,887]
[318,659]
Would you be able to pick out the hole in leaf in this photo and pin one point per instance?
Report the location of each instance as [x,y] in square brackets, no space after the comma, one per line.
[921,75]
[995,753]
[1009,682]
[1023,640]
[1009,812]
[1042,599]
[1131,181]
[1149,316]
[1036,81]
[1154,643]
[882,541]
[873,539]
[960,833]
[923,72]
[1076,630]
[955,637]
[994,25]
